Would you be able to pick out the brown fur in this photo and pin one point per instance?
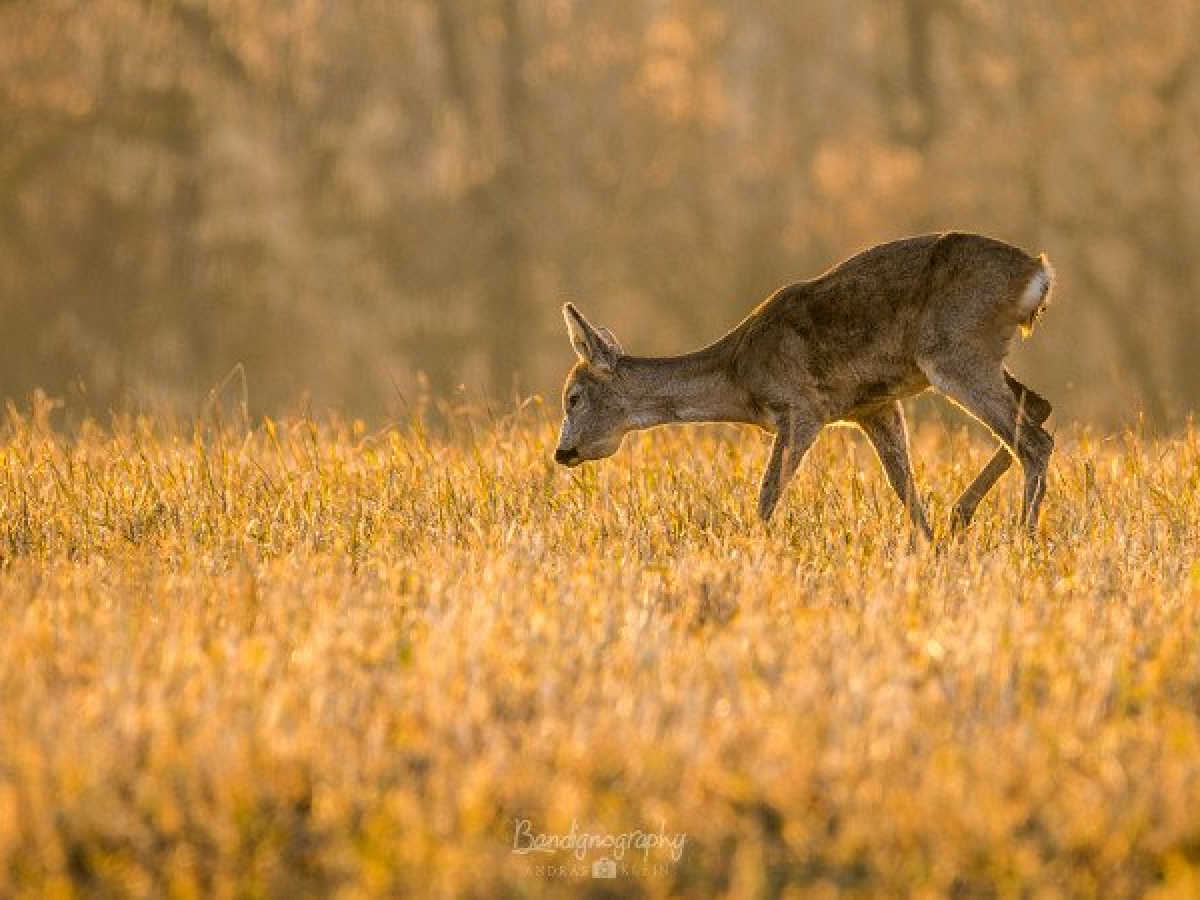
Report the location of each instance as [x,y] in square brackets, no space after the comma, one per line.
[847,346]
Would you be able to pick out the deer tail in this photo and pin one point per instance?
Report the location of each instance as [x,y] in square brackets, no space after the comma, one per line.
[1036,296]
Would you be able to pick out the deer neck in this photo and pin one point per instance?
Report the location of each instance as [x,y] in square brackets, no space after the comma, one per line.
[696,387]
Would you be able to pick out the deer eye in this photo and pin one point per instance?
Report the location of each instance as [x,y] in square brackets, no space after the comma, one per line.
[573,401]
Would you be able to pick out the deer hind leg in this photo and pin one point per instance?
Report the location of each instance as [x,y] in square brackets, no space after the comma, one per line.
[989,399]
[888,434]
[1034,409]
[792,441]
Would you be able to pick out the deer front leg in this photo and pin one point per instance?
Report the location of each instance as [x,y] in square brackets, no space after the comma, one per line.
[888,433]
[791,443]
[772,480]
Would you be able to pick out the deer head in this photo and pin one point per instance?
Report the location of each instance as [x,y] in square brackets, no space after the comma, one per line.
[596,409]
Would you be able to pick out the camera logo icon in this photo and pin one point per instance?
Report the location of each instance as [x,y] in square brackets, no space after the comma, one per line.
[604,868]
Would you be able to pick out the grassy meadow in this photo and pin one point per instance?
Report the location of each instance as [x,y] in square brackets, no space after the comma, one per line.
[288,659]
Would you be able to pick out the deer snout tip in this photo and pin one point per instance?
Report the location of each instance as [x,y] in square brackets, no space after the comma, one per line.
[565,457]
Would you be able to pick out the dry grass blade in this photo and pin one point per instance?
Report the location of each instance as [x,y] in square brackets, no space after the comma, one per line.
[304,660]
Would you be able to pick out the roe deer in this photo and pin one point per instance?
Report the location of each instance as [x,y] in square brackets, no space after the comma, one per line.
[937,310]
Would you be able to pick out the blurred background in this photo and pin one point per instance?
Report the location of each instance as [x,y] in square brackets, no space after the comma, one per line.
[364,200]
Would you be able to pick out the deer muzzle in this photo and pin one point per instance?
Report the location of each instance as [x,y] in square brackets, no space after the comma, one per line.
[567,457]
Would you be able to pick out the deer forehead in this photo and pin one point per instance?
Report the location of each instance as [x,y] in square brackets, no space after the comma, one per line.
[591,380]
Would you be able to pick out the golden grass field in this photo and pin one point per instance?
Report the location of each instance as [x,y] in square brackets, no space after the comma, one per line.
[307,659]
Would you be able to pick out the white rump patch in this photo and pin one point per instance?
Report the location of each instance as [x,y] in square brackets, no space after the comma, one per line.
[1035,293]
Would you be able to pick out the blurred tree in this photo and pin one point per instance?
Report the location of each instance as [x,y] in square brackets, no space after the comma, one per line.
[342,195]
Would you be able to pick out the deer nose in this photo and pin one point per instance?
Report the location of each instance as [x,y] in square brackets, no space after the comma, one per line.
[565,457]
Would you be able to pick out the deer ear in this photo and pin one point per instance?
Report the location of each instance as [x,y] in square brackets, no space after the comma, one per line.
[595,347]
[610,339]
